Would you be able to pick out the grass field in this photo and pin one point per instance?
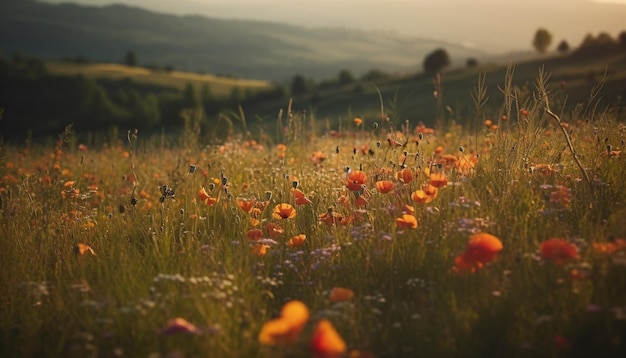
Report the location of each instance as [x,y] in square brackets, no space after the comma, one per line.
[220,86]
[501,237]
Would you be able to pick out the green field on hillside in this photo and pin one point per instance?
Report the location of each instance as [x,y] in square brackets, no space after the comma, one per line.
[220,86]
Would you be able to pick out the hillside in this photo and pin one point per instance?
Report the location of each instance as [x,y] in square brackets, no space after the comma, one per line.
[573,78]
[220,86]
[248,49]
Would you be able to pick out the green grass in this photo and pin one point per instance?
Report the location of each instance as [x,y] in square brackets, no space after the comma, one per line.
[161,254]
[220,86]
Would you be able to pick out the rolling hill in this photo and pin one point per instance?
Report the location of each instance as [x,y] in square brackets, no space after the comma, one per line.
[248,49]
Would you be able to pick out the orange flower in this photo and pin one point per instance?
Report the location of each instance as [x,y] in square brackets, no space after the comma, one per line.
[558,251]
[407,221]
[405,175]
[274,230]
[481,249]
[326,342]
[284,211]
[254,234]
[296,241]
[286,328]
[259,249]
[203,195]
[609,248]
[438,180]
[360,201]
[301,199]
[425,195]
[340,294]
[448,160]
[331,218]
[358,121]
[439,149]
[384,186]
[82,249]
[356,179]
[245,204]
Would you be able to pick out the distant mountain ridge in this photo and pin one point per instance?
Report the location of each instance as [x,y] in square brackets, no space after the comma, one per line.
[250,49]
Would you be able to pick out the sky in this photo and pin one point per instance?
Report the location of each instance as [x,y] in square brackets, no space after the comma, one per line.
[491,25]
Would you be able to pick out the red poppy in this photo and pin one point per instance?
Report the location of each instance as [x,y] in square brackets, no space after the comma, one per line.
[254,234]
[360,201]
[558,251]
[356,179]
[274,230]
[284,211]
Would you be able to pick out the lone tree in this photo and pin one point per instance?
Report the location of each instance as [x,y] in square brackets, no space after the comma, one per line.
[299,85]
[436,61]
[563,47]
[345,77]
[622,38]
[131,59]
[542,40]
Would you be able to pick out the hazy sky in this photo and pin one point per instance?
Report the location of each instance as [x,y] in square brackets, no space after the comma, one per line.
[491,25]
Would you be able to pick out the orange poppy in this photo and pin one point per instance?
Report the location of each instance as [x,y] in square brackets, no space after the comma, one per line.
[245,204]
[358,121]
[405,175]
[407,221]
[430,190]
[326,341]
[419,196]
[360,201]
[438,180]
[558,251]
[286,328]
[301,199]
[481,249]
[274,230]
[259,249]
[202,194]
[340,294]
[384,186]
[609,248]
[254,234]
[356,179]
[448,160]
[439,149]
[296,241]
[425,195]
[284,211]
[82,249]
[331,218]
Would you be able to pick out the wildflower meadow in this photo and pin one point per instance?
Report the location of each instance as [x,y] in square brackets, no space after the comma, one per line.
[502,236]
